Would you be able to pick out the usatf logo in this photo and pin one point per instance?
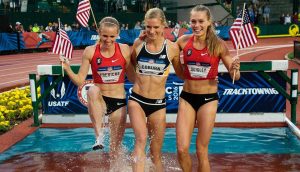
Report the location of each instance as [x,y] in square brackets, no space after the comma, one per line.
[189,52]
[58,95]
[82,91]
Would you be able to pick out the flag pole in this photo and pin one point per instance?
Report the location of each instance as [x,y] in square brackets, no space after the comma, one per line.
[60,49]
[94,17]
[239,41]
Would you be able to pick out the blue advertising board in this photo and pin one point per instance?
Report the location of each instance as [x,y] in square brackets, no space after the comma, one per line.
[250,94]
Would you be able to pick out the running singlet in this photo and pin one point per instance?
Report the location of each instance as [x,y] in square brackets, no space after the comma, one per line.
[198,64]
[108,70]
[153,63]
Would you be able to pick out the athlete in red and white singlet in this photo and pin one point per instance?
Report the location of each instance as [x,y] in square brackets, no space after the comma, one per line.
[199,64]
[198,101]
[108,70]
[108,61]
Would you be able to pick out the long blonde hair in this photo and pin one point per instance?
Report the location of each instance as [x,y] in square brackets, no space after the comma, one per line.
[212,40]
[108,22]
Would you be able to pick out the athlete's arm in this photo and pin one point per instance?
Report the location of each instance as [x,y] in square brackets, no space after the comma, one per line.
[174,52]
[129,67]
[80,77]
[232,65]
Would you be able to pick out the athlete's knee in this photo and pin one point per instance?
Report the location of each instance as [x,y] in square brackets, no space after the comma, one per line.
[182,150]
[141,140]
[156,156]
[202,150]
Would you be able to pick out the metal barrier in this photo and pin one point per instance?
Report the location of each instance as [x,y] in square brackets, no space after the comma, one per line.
[265,70]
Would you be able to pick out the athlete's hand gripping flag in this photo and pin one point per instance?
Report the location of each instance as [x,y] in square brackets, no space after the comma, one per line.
[62,46]
[242,33]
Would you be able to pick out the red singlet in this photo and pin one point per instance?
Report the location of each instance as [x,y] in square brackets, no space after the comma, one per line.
[199,64]
[108,70]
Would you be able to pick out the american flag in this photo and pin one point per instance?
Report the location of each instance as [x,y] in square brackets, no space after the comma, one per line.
[62,44]
[242,31]
[83,12]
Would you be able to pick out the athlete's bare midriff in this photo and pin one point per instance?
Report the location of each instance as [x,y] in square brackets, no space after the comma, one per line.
[200,86]
[112,90]
[152,87]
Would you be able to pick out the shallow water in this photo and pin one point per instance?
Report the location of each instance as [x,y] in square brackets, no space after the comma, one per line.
[230,149]
[97,161]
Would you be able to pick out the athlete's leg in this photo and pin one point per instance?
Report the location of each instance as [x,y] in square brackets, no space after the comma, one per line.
[138,123]
[184,128]
[96,108]
[156,128]
[117,121]
[205,121]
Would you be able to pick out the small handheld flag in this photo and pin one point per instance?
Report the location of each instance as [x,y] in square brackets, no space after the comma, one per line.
[83,12]
[62,44]
[241,32]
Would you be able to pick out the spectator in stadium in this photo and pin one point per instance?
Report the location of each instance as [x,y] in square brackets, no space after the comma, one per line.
[19,27]
[198,102]
[152,59]
[29,29]
[35,28]
[266,14]
[49,27]
[108,60]
[282,18]
[295,18]
[137,25]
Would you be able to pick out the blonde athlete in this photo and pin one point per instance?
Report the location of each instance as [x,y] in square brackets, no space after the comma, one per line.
[198,101]
[152,58]
[108,61]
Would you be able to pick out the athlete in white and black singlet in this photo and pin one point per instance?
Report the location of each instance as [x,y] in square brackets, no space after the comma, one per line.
[151,58]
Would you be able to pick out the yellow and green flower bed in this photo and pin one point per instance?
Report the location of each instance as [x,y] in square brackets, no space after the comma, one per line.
[15,107]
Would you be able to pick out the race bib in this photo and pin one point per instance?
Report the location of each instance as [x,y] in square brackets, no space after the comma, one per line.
[198,69]
[110,74]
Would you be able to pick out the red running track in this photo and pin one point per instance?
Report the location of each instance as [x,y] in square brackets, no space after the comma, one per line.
[14,69]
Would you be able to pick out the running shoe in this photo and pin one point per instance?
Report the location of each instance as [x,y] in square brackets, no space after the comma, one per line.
[98,143]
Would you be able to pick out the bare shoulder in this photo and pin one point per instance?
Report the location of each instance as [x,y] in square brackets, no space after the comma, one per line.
[172,46]
[124,49]
[183,40]
[89,51]
[137,42]
[222,44]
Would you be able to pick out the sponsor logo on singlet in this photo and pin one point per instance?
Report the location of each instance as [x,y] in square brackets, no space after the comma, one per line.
[189,52]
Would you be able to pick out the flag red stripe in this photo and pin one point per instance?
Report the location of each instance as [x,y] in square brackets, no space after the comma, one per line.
[62,44]
[242,33]
[83,12]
